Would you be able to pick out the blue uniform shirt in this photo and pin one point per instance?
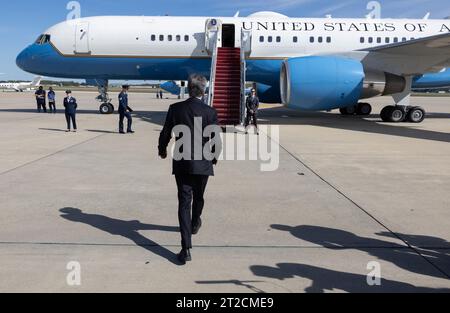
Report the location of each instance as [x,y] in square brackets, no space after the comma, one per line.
[51,96]
[123,101]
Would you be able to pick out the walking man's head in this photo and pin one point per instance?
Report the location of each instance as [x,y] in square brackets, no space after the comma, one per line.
[125,88]
[68,93]
[197,86]
[253,92]
[50,88]
[41,88]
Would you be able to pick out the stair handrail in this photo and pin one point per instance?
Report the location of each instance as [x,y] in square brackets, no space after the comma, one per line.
[214,36]
[246,38]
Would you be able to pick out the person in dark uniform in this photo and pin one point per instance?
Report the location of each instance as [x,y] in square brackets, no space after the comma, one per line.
[51,100]
[161,95]
[70,105]
[252,105]
[125,110]
[40,99]
[193,171]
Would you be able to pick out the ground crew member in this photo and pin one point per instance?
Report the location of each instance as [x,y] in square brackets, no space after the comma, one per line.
[51,100]
[252,105]
[40,99]
[70,105]
[125,110]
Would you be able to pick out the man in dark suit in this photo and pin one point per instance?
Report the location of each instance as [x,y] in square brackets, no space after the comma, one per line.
[195,124]
[70,106]
[252,105]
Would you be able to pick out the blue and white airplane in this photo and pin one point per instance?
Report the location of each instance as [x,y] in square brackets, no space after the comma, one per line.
[304,63]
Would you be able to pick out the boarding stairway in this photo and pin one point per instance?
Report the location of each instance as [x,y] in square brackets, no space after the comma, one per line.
[227,79]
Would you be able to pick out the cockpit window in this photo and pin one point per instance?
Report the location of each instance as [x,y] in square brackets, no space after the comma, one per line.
[43,39]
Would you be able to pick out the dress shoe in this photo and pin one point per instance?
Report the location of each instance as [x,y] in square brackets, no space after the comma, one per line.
[196,227]
[184,256]
[131,131]
[122,132]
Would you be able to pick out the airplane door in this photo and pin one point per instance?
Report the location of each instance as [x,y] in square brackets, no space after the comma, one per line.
[82,38]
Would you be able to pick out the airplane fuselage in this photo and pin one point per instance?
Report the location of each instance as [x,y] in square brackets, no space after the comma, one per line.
[171,48]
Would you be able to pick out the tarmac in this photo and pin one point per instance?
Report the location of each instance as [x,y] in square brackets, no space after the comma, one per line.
[350,195]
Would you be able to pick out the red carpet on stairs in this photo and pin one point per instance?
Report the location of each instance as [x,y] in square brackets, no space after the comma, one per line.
[227,88]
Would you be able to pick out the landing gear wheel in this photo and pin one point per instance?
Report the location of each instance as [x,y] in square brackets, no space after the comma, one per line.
[106,108]
[396,114]
[351,110]
[363,109]
[416,115]
[385,112]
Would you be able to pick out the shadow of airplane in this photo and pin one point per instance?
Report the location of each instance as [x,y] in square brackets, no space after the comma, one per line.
[126,229]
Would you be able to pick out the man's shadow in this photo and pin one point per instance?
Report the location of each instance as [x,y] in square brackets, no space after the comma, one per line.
[126,229]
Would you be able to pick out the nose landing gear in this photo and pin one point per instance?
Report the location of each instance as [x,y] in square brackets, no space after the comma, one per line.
[106,107]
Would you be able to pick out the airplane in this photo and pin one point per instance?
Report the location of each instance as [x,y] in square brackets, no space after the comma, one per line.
[314,64]
[22,86]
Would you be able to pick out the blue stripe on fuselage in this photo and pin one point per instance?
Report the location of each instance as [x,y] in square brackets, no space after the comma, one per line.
[46,61]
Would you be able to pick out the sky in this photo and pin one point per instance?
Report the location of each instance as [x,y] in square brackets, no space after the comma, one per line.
[21,24]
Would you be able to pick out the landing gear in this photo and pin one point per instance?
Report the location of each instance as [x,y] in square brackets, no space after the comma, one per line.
[398,113]
[359,109]
[363,109]
[106,107]
[403,111]
[416,115]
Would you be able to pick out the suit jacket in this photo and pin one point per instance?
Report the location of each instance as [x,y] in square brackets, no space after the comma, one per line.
[70,105]
[252,104]
[183,113]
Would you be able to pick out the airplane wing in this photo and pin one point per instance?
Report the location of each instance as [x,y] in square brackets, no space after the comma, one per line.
[424,55]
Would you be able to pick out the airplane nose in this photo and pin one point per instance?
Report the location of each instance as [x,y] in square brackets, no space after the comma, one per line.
[23,58]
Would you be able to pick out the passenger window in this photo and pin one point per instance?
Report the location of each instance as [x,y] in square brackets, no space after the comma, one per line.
[320,39]
[161,37]
[278,39]
[328,39]
[370,39]
[186,38]
[270,39]
[295,39]
[153,38]
[379,40]
[362,40]
[261,39]
[388,40]
[311,39]
[169,37]
[395,39]
[404,39]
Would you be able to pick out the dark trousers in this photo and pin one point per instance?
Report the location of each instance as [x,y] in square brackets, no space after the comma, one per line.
[52,106]
[41,106]
[191,190]
[122,116]
[69,117]
[251,117]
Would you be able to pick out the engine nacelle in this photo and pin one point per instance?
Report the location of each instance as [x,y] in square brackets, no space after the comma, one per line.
[329,82]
